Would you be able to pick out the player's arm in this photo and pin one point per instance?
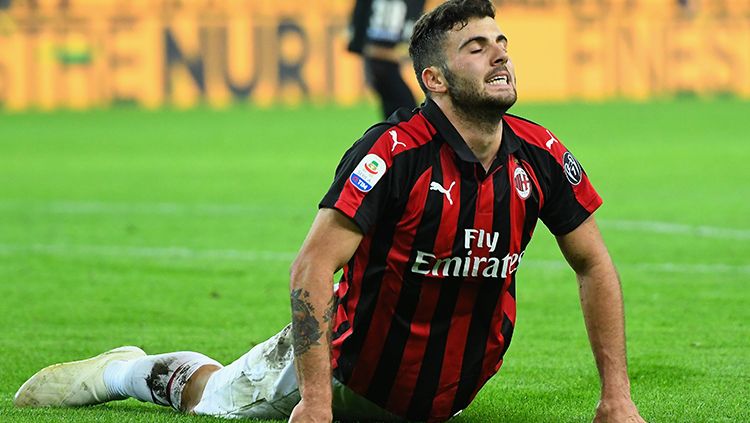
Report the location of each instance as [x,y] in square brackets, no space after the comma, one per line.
[331,242]
[601,301]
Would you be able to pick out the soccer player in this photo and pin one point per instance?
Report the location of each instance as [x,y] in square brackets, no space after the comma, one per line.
[429,216]
[378,28]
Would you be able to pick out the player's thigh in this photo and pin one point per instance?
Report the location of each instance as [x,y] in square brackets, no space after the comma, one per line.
[349,406]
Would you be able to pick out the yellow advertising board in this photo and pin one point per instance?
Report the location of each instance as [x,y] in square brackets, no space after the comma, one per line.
[94,53]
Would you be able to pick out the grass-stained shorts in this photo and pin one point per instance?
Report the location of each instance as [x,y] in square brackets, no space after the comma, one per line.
[262,384]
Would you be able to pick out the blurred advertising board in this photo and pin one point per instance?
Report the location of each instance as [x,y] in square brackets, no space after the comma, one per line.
[95,53]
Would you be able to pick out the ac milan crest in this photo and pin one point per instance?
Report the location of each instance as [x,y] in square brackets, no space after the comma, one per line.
[522,183]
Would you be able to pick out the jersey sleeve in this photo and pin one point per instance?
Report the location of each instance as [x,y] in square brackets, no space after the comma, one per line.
[358,25]
[570,198]
[363,184]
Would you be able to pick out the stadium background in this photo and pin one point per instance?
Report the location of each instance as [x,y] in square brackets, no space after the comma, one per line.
[160,162]
[87,53]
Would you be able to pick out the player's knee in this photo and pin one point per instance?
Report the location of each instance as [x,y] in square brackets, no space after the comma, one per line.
[196,384]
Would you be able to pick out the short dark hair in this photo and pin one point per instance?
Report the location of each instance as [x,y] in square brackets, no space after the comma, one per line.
[426,45]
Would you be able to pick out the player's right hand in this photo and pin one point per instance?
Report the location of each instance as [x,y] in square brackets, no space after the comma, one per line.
[311,413]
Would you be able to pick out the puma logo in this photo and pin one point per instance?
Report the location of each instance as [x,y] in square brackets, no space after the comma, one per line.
[434,186]
[396,142]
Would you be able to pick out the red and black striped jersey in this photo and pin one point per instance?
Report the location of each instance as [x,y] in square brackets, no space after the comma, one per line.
[426,305]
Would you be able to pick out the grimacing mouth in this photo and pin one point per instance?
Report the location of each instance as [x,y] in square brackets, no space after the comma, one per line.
[499,78]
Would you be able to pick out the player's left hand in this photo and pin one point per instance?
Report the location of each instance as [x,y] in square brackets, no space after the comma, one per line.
[617,411]
[304,413]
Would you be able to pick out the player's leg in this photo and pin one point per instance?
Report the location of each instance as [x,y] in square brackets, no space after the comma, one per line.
[385,78]
[262,384]
[174,379]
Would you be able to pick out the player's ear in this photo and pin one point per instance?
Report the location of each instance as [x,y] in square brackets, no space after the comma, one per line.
[434,80]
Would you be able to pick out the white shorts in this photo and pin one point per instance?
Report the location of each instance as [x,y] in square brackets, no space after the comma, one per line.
[262,384]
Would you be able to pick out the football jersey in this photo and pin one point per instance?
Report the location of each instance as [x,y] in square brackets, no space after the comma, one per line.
[426,306]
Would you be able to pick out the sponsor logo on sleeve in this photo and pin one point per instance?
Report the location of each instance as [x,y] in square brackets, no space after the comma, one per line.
[368,172]
[551,140]
[396,142]
[572,168]
[522,183]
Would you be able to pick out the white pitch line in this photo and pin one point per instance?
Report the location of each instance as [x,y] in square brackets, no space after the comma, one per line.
[691,268]
[183,253]
[676,229]
[666,267]
[250,210]
[208,209]
[147,252]
[169,209]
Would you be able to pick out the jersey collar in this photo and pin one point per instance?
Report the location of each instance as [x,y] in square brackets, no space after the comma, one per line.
[445,128]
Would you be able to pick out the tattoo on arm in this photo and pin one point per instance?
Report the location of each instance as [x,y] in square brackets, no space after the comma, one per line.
[330,311]
[305,327]
[330,316]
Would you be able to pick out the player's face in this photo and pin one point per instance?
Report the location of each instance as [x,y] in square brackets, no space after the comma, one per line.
[479,71]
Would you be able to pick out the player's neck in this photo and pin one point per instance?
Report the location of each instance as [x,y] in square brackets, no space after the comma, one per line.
[482,135]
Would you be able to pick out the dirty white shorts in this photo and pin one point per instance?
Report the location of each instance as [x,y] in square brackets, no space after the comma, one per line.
[262,384]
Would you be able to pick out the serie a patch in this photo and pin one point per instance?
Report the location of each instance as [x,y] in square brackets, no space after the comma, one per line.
[368,172]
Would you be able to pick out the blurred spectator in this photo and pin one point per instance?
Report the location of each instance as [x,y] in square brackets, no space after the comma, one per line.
[379,29]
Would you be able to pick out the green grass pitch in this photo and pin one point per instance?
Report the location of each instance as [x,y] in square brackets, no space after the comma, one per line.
[174,230]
